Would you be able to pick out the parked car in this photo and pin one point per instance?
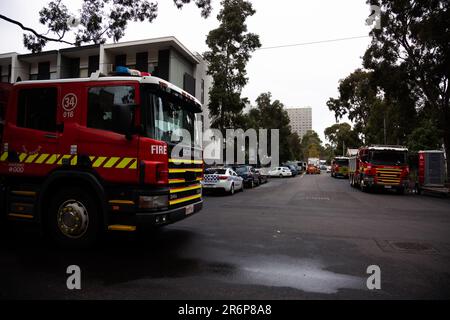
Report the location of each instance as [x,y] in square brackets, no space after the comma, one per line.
[262,176]
[293,169]
[223,179]
[312,169]
[323,167]
[280,172]
[248,173]
[328,169]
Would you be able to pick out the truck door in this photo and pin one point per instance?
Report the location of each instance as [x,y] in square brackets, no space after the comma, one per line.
[111,154]
[31,131]
[5,89]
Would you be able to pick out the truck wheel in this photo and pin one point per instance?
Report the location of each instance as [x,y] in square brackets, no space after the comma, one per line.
[73,218]
[364,188]
[401,190]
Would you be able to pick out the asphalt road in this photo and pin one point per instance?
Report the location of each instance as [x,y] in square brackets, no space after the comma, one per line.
[309,237]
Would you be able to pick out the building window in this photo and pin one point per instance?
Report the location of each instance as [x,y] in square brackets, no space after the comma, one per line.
[121,61]
[142,61]
[189,83]
[74,68]
[43,70]
[37,109]
[102,104]
[93,64]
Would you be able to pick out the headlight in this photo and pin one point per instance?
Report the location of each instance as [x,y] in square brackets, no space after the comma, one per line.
[153,202]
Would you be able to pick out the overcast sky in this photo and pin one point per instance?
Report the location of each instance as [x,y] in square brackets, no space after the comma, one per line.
[297,76]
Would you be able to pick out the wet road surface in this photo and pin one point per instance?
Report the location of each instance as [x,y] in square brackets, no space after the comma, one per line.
[309,237]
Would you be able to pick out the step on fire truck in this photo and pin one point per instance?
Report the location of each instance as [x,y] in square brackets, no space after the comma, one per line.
[380,166]
[82,156]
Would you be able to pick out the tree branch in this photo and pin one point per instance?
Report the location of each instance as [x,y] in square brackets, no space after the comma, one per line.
[33,31]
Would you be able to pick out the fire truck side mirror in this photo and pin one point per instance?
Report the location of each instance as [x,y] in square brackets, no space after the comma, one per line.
[123,119]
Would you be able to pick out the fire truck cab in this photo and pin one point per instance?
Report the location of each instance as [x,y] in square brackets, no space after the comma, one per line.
[82,156]
[339,167]
[380,166]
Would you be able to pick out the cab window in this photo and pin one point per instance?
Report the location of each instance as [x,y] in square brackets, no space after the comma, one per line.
[103,103]
[37,109]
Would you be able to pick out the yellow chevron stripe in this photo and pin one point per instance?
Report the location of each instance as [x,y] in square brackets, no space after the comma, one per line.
[31,158]
[181,200]
[52,159]
[66,156]
[98,162]
[111,162]
[74,161]
[184,170]
[4,156]
[133,165]
[122,164]
[42,158]
[185,189]
[22,156]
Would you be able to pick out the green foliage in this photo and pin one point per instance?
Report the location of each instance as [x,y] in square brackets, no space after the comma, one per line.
[342,137]
[99,20]
[271,115]
[311,145]
[410,56]
[425,137]
[230,47]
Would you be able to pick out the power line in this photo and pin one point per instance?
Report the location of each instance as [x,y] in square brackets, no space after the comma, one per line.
[313,42]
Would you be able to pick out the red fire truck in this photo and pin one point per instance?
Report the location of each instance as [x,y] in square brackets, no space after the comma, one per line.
[380,166]
[82,156]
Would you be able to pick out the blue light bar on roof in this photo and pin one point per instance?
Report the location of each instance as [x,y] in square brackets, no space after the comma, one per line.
[120,69]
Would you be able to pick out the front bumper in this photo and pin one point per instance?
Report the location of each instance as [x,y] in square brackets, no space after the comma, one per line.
[372,182]
[220,185]
[161,218]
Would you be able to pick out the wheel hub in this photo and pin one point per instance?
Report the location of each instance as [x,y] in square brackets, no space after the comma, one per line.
[73,219]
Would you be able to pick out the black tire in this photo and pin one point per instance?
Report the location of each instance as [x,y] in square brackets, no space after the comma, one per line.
[401,191]
[364,188]
[232,189]
[80,200]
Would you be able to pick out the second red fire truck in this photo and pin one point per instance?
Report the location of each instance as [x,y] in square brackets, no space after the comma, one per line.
[380,166]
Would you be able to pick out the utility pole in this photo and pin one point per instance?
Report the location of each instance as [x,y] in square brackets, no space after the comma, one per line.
[384,123]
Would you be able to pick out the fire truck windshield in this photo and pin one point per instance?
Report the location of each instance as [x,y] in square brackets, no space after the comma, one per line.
[387,157]
[342,162]
[164,114]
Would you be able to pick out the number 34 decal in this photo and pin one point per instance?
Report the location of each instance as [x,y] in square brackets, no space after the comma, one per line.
[69,103]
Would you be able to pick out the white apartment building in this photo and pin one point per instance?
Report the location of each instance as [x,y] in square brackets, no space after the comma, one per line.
[300,119]
[165,57]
